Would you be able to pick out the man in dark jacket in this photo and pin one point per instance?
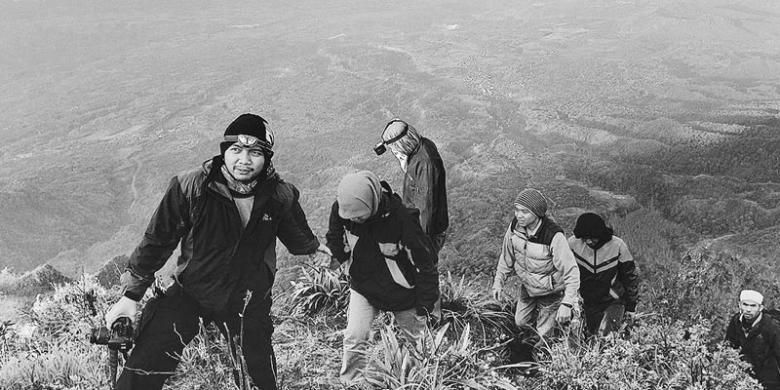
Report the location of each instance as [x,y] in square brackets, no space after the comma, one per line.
[390,262]
[609,281]
[227,217]
[757,337]
[424,185]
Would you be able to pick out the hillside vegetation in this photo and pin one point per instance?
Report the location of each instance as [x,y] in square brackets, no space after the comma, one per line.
[662,116]
[675,344]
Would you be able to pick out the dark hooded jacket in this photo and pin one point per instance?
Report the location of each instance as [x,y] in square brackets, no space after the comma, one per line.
[219,256]
[391,240]
[608,273]
[760,347]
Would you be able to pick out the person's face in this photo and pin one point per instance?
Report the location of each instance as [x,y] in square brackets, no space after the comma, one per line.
[525,217]
[244,163]
[397,152]
[750,309]
[592,242]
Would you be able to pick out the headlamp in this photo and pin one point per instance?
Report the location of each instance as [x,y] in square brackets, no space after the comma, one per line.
[381,147]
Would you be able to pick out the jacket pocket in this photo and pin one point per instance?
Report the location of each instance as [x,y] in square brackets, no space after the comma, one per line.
[538,284]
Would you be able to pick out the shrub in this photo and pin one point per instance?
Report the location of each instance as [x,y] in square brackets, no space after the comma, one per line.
[433,362]
[468,304]
[320,290]
[654,356]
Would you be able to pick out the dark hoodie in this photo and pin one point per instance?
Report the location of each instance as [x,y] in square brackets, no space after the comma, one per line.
[392,237]
[218,255]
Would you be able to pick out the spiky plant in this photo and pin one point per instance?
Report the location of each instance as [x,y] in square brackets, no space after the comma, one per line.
[319,290]
[432,362]
[467,303]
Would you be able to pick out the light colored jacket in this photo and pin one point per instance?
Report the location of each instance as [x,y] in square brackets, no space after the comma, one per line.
[543,261]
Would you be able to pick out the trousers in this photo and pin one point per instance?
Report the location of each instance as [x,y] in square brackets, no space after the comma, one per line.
[360,316]
[169,322]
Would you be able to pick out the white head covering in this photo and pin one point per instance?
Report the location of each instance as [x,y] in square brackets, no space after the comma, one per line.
[751,296]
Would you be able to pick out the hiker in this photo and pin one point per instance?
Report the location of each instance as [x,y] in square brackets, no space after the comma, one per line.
[389,259]
[536,249]
[609,284]
[424,185]
[227,216]
[757,337]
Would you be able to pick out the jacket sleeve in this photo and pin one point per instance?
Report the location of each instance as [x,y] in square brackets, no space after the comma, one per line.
[168,224]
[563,260]
[505,263]
[335,236]
[294,231]
[629,277]
[731,332]
[420,246]
[424,198]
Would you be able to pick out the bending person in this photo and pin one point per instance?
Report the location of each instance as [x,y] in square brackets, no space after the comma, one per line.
[391,267]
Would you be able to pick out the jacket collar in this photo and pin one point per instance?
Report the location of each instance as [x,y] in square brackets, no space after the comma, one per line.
[216,182]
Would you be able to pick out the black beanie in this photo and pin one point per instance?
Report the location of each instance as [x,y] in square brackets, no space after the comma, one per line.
[250,124]
[590,225]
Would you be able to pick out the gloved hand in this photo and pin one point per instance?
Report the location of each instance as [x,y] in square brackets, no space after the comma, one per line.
[124,307]
[629,317]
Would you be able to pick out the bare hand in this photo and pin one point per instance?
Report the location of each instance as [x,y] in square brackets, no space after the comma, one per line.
[334,264]
[564,315]
[497,295]
[321,258]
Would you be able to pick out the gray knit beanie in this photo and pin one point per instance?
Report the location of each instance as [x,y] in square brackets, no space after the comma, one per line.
[533,200]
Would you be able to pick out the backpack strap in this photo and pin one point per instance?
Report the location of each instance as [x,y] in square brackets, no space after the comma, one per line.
[200,200]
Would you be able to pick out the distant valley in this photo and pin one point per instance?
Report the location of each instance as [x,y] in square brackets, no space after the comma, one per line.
[630,108]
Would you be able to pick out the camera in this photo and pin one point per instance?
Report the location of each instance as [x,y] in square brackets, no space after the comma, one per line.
[380,148]
[119,338]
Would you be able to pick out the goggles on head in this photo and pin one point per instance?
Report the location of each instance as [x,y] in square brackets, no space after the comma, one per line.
[248,141]
[381,147]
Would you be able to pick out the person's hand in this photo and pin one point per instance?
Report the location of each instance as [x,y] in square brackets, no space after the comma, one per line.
[324,249]
[125,307]
[334,264]
[322,257]
[629,317]
[430,318]
[564,314]
[496,294]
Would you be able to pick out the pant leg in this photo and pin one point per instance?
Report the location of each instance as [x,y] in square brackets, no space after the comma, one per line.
[593,316]
[360,315]
[168,323]
[612,318]
[255,345]
[438,241]
[411,325]
[547,307]
[525,312]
